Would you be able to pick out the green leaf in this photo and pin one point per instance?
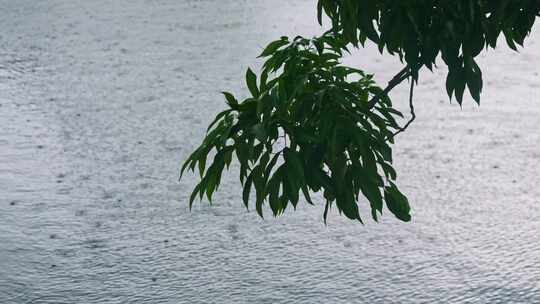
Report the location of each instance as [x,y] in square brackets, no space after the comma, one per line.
[326,209]
[271,164]
[474,79]
[389,171]
[509,36]
[294,164]
[194,195]
[188,162]
[247,190]
[264,81]
[372,193]
[273,191]
[305,191]
[451,82]
[348,206]
[231,101]
[218,119]
[260,132]
[211,184]
[260,189]
[273,47]
[251,81]
[397,203]
[291,188]
[319,11]
[202,164]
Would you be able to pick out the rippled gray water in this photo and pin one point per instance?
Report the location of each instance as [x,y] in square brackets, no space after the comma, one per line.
[100,101]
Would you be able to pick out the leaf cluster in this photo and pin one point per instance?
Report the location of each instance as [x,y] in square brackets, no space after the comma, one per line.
[418,31]
[307,127]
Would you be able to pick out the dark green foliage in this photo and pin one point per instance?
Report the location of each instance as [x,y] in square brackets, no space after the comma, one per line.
[308,129]
[420,30]
[314,125]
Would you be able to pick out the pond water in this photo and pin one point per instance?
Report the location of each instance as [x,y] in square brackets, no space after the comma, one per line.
[100,101]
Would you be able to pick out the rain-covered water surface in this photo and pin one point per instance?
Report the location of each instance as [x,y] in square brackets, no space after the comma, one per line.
[100,101]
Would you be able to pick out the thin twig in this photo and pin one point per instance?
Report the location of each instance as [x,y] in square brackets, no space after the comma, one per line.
[411,105]
[397,79]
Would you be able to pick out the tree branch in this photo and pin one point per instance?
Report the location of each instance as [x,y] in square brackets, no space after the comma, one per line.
[411,105]
[397,79]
